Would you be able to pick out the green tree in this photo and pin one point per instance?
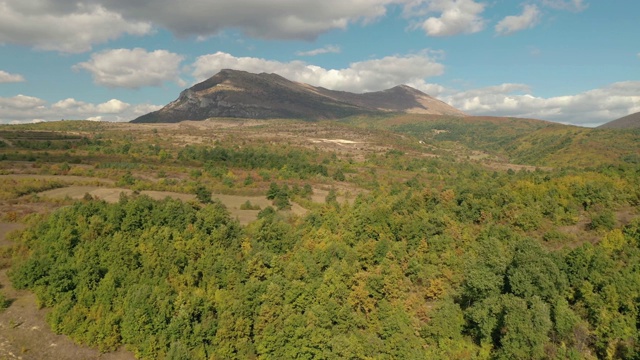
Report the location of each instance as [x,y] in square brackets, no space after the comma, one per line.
[273,191]
[203,194]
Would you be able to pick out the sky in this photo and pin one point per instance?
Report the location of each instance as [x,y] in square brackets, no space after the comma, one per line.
[570,61]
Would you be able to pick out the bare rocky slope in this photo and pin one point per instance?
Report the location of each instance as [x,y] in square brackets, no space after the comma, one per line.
[240,94]
[627,122]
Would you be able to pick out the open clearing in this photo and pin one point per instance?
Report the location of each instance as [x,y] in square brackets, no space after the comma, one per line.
[5,229]
[112,195]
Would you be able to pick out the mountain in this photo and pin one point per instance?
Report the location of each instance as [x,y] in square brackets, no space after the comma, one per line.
[627,122]
[240,94]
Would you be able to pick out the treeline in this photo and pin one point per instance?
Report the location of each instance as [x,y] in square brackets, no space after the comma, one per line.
[43,140]
[529,142]
[302,163]
[457,270]
[14,188]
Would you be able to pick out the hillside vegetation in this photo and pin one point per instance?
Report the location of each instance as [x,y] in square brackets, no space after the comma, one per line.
[421,248]
[520,141]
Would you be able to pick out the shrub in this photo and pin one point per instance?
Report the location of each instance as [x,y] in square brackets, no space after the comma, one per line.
[203,194]
[604,220]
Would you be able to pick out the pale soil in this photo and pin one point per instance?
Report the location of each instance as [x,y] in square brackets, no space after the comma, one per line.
[112,195]
[5,229]
[24,333]
[320,194]
[355,143]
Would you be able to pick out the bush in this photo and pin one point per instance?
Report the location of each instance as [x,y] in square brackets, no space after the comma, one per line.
[203,194]
[4,302]
[249,206]
[604,220]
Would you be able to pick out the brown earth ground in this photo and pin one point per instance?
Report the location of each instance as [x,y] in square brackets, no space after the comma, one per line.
[232,202]
[355,143]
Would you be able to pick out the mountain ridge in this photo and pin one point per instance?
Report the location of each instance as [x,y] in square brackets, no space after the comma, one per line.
[631,121]
[240,94]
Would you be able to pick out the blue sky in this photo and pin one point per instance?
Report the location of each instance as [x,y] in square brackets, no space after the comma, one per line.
[571,61]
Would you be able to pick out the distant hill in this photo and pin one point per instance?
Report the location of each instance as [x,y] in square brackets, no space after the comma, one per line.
[240,94]
[627,122]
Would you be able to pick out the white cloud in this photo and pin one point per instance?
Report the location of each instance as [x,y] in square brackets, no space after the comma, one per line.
[6,77]
[26,109]
[113,106]
[571,5]
[75,26]
[281,19]
[20,102]
[430,89]
[133,68]
[70,105]
[370,75]
[510,24]
[60,26]
[325,50]
[589,108]
[456,16]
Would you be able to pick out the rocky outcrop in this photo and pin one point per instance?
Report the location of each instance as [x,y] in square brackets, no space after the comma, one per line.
[239,94]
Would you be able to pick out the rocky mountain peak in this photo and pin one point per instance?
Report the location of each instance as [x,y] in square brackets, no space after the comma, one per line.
[241,94]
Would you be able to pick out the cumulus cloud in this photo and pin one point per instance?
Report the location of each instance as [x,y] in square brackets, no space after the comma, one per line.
[370,75]
[113,106]
[511,24]
[325,50]
[62,26]
[571,5]
[20,102]
[589,108]
[455,16]
[282,19]
[74,26]
[6,77]
[133,68]
[28,109]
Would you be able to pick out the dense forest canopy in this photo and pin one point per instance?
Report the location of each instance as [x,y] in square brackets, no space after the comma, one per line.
[434,257]
[410,272]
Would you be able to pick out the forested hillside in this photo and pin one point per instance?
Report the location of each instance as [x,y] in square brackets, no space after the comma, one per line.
[521,141]
[433,257]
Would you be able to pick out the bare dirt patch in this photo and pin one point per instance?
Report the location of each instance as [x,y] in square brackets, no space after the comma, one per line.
[5,229]
[112,195]
[336,141]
